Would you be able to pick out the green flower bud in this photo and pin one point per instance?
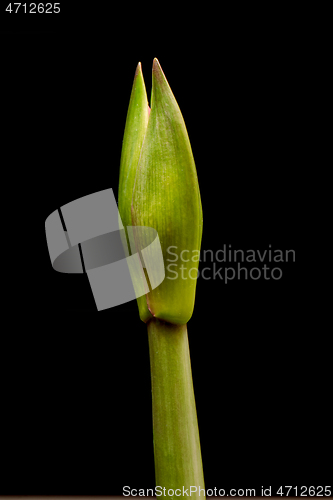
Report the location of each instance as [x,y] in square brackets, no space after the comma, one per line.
[165,197]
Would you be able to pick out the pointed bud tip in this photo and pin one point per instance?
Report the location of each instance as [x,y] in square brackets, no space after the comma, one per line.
[158,71]
[138,69]
[156,66]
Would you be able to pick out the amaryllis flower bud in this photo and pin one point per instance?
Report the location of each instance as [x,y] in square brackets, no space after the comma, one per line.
[159,185]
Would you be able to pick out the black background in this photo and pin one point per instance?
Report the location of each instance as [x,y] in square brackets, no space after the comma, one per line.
[76,396]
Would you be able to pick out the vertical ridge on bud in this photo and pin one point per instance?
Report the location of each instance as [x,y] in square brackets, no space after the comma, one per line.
[135,130]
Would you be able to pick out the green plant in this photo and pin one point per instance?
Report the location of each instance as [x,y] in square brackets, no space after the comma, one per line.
[158,188]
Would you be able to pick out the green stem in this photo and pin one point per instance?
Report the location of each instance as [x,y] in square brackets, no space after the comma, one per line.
[178,462]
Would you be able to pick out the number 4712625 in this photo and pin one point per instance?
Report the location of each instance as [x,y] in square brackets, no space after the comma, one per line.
[34,8]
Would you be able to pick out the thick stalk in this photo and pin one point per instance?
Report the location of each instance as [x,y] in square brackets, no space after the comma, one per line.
[178,463]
